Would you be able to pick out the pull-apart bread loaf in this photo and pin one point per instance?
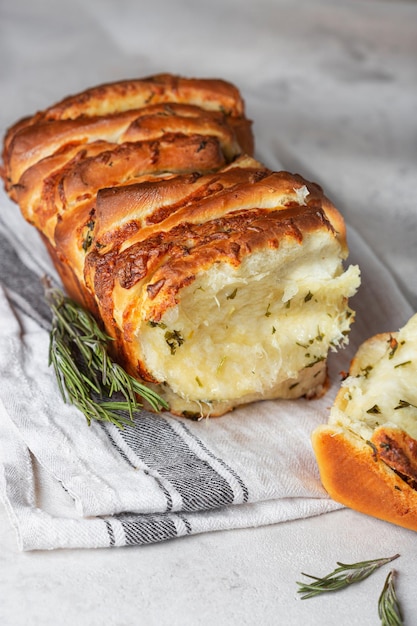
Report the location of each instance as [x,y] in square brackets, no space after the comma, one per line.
[221,281]
[367,453]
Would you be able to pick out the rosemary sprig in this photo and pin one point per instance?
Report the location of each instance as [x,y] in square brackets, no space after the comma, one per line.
[388,606]
[341,577]
[87,376]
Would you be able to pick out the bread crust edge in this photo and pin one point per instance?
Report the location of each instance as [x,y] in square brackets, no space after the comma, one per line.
[353,475]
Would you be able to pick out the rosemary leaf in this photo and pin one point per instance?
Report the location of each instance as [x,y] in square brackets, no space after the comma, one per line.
[388,606]
[341,577]
[87,376]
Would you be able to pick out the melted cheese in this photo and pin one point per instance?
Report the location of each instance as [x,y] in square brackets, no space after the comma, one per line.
[243,331]
[384,391]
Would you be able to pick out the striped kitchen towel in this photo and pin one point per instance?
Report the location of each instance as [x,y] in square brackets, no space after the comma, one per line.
[69,485]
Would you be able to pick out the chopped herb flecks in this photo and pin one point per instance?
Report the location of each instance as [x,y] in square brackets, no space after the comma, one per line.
[402,364]
[318,360]
[365,371]
[156,324]
[374,410]
[403,404]
[88,236]
[174,340]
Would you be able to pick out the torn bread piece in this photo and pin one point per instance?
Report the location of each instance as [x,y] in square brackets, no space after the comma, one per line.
[367,453]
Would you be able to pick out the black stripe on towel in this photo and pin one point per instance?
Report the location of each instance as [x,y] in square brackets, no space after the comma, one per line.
[24,287]
[164,451]
[231,471]
[110,532]
[144,529]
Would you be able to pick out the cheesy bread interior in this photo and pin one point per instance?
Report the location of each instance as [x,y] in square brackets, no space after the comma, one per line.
[261,330]
[381,391]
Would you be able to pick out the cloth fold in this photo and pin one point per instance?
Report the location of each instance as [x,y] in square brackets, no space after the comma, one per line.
[69,485]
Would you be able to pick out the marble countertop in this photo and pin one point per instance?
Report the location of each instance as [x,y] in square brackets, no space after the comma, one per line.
[331,87]
[230,577]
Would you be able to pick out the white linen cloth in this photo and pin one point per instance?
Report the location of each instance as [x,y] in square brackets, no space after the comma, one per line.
[67,485]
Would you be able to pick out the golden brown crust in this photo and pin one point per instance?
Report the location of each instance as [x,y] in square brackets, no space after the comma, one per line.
[260,189]
[237,211]
[353,474]
[61,182]
[107,136]
[150,202]
[39,141]
[57,160]
[194,247]
[66,213]
[73,286]
[213,94]
[108,110]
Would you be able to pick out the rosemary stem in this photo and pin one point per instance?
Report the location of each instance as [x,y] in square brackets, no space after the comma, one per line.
[341,577]
[78,352]
[389,610]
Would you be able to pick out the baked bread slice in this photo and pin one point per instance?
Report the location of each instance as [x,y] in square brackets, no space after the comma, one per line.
[221,281]
[367,453]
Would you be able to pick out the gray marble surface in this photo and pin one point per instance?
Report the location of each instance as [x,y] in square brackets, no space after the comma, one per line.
[244,577]
[331,87]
